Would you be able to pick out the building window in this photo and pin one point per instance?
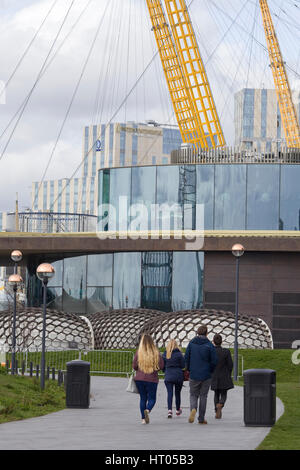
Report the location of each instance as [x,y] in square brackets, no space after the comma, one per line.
[134,147]
[111,144]
[264,104]
[51,194]
[86,151]
[171,140]
[122,146]
[248,114]
[45,187]
[59,204]
[94,151]
[83,202]
[36,196]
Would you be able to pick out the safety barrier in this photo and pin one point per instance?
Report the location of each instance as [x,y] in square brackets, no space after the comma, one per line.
[110,362]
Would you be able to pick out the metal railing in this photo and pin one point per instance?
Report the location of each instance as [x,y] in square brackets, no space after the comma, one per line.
[51,222]
[111,362]
[234,155]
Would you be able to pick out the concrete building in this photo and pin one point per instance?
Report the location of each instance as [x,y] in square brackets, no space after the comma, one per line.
[106,146]
[257,119]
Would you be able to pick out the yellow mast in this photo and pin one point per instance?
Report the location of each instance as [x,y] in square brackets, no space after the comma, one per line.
[194,72]
[179,93]
[185,73]
[284,95]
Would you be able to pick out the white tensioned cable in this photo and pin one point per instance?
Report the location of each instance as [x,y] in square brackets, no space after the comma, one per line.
[36,81]
[28,48]
[111,119]
[73,97]
[48,64]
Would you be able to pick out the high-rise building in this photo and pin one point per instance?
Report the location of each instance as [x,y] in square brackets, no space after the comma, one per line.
[127,144]
[106,146]
[257,120]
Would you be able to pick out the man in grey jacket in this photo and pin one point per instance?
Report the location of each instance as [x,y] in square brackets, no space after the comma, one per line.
[200,360]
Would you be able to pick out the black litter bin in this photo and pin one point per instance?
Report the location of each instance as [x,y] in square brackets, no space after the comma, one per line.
[78,384]
[259,397]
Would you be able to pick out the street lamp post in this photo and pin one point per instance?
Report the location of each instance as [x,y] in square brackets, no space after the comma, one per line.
[237,251]
[44,272]
[14,280]
[16,256]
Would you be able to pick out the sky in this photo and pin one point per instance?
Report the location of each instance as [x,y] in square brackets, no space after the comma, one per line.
[47,61]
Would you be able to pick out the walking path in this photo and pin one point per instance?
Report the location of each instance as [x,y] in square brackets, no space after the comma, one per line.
[113,423]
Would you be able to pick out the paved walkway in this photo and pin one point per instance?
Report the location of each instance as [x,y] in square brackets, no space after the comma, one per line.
[113,423]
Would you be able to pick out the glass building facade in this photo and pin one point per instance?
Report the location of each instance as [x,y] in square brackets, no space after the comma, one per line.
[233,196]
[164,281]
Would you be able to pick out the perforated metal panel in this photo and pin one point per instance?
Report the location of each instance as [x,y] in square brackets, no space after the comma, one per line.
[61,329]
[253,332]
[120,329]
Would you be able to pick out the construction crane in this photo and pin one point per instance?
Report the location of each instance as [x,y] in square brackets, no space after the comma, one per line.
[284,95]
[185,73]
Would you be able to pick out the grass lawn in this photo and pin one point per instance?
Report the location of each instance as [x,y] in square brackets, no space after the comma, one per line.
[21,398]
[285,435]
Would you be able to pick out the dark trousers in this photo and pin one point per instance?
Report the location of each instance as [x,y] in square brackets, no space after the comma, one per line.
[147,391]
[220,397]
[170,389]
[199,391]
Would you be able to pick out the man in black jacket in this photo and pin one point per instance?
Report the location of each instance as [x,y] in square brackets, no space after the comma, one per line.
[200,360]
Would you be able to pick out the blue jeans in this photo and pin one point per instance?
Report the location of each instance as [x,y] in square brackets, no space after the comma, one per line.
[147,391]
[170,389]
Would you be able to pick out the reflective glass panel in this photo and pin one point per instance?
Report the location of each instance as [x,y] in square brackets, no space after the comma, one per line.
[103,201]
[230,197]
[187,195]
[205,195]
[57,279]
[169,211]
[290,197]
[75,277]
[263,197]
[98,299]
[127,280]
[143,196]
[187,288]
[119,199]
[99,270]
[54,298]
[157,280]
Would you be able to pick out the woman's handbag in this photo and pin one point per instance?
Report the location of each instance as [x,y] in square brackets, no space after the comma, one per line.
[186,375]
[131,387]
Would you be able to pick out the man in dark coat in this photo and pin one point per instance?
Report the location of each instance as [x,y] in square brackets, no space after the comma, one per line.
[221,379]
[200,360]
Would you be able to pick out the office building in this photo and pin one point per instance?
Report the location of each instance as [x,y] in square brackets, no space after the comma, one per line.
[257,120]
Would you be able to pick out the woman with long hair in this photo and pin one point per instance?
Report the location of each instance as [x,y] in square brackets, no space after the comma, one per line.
[174,365]
[147,362]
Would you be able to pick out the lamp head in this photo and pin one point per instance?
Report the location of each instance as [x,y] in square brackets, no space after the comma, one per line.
[45,272]
[16,256]
[238,250]
[14,280]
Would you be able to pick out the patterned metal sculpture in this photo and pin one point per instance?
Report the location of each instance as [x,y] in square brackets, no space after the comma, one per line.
[62,329]
[253,332]
[120,329]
